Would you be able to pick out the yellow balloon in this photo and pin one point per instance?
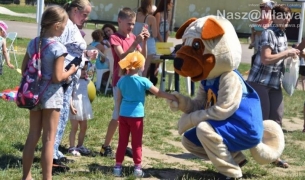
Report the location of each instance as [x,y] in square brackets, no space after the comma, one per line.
[91,91]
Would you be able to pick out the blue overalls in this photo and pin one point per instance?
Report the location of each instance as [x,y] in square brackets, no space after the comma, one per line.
[244,129]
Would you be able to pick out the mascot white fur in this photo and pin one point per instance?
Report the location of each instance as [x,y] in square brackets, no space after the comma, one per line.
[225,116]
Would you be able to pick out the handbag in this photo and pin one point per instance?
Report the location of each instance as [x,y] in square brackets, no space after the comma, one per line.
[291,74]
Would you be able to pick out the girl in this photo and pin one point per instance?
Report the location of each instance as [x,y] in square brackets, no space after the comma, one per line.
[44,117]
[3,32]
[131,98]
[101,62]
[80,112]
[108,30]
[144,18]
[163,18]
[78,12]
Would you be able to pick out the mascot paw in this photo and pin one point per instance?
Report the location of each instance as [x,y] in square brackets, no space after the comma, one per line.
[184,123]
[172,104]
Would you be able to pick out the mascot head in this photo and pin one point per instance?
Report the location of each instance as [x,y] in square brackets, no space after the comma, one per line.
[210,48]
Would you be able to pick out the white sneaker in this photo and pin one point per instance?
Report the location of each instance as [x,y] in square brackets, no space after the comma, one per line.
[117,172]
[73,151]
[138,173]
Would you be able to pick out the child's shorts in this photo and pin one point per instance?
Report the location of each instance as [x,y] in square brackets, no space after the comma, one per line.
[52,98]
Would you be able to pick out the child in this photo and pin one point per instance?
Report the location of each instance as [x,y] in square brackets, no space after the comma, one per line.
[122,42]
[131,90]
[101,62]
[44,117]
[80,112]
[108,30]
[3,33]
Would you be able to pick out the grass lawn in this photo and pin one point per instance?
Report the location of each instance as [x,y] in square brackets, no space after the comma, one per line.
[160,137]
[163,155]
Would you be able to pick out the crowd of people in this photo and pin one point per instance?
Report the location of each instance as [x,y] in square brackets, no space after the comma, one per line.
[135,37]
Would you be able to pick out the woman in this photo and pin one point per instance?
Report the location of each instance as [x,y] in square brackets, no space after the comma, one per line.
[108,30]
[266,73]
[144,19]
[78,11]
[162,19]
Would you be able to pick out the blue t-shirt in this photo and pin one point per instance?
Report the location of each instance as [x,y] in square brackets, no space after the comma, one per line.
[98,63]
[133,90]
[48,55]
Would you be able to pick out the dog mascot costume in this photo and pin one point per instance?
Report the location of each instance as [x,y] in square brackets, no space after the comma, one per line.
[225,116]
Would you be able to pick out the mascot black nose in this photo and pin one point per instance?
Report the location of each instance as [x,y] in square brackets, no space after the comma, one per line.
[178,62]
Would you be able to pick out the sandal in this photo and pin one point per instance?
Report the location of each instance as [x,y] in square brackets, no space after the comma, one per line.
[281,163]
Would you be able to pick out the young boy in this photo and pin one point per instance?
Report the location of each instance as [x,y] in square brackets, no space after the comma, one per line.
[4,54]
[122,43]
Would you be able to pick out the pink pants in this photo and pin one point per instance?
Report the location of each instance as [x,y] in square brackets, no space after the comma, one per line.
[134,126]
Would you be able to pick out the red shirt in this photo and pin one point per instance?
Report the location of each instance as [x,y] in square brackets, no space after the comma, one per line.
[117,39]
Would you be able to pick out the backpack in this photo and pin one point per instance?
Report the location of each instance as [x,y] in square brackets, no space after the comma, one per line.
[29,91]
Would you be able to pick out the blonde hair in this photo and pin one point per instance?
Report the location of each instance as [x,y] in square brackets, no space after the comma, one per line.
[52,15]
[80,4]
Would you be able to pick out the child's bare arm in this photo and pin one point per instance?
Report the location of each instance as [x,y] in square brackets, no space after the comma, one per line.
[5,54]
[72,108]
[119,99]
[24,62]
[157,92]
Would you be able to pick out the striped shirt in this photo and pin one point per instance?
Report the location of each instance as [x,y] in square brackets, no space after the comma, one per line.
[269,75]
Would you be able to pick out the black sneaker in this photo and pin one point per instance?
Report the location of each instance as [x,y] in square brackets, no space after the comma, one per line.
[59,167]
[106,151]
[66,160]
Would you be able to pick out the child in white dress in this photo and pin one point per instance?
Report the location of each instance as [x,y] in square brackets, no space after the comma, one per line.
[80,112]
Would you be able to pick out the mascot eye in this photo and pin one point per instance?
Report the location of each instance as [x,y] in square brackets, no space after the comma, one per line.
[196,45]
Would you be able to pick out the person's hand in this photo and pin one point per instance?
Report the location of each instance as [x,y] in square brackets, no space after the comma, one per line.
[10,66]
[73,110]
[179,103]
[73,68]
[293,52]
[92,54]
[146,33]
[140,38]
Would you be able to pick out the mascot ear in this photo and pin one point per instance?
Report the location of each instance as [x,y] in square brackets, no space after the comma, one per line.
[181,30]
[211,30]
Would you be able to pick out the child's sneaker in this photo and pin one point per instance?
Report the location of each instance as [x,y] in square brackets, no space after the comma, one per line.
[117,171]
[83,150]
[138,173]
[74,151]
[106,151]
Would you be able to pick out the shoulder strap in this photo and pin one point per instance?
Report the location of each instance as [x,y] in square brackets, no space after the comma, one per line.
[145,18]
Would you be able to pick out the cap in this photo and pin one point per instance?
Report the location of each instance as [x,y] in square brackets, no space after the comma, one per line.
[4,27]
[133,60]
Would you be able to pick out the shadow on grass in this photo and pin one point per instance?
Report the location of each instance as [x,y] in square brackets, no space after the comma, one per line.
[165,173]
[11,161]
[184,156]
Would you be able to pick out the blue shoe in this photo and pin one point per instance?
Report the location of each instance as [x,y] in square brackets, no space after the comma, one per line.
[117,171]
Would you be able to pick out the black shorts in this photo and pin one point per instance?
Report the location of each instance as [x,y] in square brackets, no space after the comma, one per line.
[302,71]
